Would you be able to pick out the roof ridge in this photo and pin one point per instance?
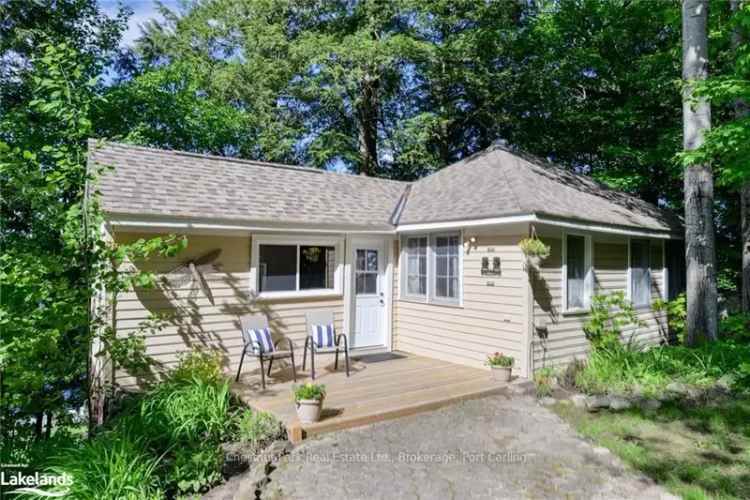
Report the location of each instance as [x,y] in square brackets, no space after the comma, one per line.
[230,159]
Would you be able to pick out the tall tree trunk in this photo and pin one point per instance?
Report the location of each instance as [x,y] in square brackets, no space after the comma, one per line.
[741,110]
[702,316]
[368,112]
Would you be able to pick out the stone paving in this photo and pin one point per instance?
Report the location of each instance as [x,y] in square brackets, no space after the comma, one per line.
[497,447]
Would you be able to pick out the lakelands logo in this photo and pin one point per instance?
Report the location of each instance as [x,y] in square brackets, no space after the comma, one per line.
[33,483]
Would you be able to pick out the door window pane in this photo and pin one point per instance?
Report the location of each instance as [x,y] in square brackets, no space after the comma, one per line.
[316,267]
[366,273]
[640,273]
[278,268]
[576,272]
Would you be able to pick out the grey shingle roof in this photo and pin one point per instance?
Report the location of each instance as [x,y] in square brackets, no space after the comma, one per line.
[153,182]
[493,183]
[497,182]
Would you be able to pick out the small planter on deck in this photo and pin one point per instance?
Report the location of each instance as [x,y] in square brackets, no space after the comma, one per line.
[501,366]
[308,400]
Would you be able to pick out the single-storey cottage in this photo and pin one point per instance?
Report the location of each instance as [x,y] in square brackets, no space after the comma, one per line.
[430,267]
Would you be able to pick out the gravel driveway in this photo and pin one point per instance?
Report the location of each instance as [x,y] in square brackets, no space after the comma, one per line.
[498,447]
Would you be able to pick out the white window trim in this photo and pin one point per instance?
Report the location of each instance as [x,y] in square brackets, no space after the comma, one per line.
[588,263]
[338,275]
[429,296]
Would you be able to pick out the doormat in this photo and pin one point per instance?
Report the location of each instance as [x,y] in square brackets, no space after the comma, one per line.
[381,356]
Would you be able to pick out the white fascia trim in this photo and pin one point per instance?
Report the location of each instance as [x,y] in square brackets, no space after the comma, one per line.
[239,228]
[155,226]
[436,226]
[585,226]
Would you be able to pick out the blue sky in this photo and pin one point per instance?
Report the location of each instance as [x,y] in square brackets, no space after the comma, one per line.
[143,10]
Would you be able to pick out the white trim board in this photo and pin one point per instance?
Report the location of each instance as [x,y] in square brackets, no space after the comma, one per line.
[150,225]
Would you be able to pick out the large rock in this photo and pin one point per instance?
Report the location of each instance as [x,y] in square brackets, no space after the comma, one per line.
[597,402]
[578,400]
[650,404]
[678,388]
[618,403]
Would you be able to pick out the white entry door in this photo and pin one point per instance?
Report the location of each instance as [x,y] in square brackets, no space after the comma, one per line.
[369,295]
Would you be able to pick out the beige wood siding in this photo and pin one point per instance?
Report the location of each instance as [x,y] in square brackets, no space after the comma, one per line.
[492,318]
[191,319]
[565,339]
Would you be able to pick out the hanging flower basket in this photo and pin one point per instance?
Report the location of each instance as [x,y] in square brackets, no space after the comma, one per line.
[535,251]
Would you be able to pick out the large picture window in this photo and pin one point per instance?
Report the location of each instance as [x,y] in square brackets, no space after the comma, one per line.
[640,273]
[293,267]
[432,268]
[577,272]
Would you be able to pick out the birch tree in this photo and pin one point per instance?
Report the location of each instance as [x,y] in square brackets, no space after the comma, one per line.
[700,250]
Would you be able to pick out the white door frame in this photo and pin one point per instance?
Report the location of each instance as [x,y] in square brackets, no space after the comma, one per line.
[350,297]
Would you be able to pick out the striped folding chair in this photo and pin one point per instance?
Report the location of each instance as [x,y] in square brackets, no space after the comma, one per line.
[322,338]
[258,342]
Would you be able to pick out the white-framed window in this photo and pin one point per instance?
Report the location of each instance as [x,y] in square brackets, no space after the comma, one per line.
[578,275]
[287,266]
[431,268]
[646,257]
[415,258]
[446,255]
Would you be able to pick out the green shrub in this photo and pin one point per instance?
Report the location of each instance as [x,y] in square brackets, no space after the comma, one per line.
[187,412]
[676,313]
[195,468]
[201,364]
[114,465]
[543,381]
[259,428]
[609,315]
[309,391]
[735,326]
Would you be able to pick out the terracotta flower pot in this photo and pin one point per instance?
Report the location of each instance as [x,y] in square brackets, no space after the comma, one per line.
[501,373]
[308,410]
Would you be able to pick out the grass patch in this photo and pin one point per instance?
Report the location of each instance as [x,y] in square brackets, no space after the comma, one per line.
[622,369]
[697,453]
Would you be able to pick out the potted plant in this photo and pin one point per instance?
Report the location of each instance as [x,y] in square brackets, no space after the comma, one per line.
[308,399]
[501,366]
[535,251]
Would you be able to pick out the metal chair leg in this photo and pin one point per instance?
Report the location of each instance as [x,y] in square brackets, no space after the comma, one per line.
[336,359]
[239,369]
[346,354]
[312,359]
[262,373]
[294,367]
[304,354]
[270,363]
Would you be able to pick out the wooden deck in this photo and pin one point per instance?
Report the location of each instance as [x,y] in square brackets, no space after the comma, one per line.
[381,386]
